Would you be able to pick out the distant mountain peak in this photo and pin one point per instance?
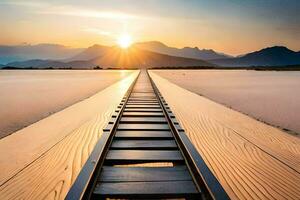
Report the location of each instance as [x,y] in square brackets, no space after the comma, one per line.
[188,52]
[276,48]
[96,46]
[157,44]
[272,51]
[270,56]
[90,53]
[209,50]
[193,48]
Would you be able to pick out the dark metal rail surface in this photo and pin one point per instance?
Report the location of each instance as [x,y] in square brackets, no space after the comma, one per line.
[145,154]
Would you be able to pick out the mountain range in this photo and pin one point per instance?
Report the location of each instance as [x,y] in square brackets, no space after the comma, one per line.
[39,51]
[271,56]
[143,54]
[188,52]
[114,57]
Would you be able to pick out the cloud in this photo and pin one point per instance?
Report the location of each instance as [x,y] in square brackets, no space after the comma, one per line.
[68,10]
[79,12]
[98,31]
[24,3]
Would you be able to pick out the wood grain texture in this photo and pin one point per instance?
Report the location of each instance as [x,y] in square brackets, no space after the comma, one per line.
[143,174]
[144,134]
[28,96]
[250,159]
[143,155]
[48,172]
[143,144]
[145,127]
[146,190]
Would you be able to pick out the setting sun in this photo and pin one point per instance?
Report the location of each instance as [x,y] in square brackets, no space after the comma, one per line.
[124,41]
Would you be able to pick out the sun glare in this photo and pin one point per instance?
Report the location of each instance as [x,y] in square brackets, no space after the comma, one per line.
[124,41]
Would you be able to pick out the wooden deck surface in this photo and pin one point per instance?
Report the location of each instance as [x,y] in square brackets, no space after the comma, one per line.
[251,160]
[40,168]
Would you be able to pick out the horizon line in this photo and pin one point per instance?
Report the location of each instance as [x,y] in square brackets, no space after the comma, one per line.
[87,46]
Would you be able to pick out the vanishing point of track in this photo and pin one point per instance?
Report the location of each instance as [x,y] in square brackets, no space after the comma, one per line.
[143,153]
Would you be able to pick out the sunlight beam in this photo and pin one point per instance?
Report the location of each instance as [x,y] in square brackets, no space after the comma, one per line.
[124,41]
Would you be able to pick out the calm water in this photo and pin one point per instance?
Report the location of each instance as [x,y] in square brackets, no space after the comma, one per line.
[270,96]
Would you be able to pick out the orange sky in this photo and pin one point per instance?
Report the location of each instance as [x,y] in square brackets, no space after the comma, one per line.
[230,27]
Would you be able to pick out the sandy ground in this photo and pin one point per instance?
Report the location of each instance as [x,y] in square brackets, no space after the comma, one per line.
[270,96]
[251,160]
[30,95]
[42,160]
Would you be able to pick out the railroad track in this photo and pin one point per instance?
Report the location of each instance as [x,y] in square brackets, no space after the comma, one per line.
[145,154]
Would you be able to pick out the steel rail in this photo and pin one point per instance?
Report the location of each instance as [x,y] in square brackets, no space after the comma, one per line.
[204,180]
[85,181]
[202,175]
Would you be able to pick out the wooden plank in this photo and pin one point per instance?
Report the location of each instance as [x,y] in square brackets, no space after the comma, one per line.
[34,165]
[144,174]
[136,93]
[151,100]
[143,106]
[144,144]
[248,150]
[142,95]
[168,189]
[142,102]
[142,91]
[149,90]
[143,120]
[143,110]
[143,135]
[143,127]
[143,155]
[142,98]
[143,114]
